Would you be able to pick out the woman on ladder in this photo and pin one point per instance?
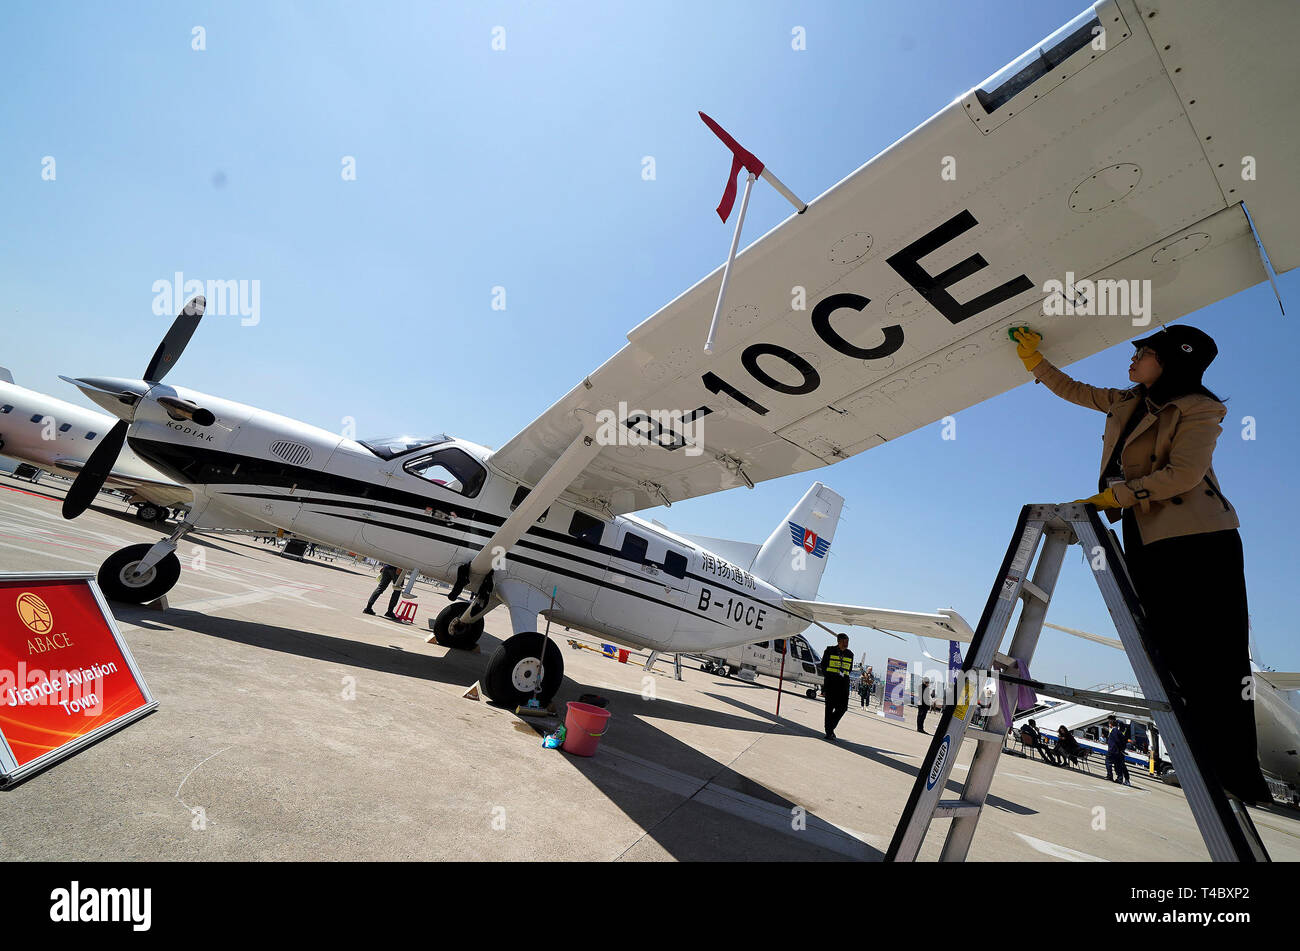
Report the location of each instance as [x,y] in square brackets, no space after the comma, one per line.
[1180,534]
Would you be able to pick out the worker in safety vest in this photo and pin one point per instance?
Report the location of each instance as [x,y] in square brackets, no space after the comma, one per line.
[837,663]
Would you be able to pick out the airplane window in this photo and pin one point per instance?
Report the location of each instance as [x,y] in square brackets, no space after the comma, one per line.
[779,645]
[451,468]
[675,564]
[634,548]
[37,418]
[586,529]
[521,493]
[7,408]
[762,645]
[91,435]
[65,427]
[390,447]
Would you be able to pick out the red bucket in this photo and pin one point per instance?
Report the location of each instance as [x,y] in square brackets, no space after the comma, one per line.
[622,655]
[584,725]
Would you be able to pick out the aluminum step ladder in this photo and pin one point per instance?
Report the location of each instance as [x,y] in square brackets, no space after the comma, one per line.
[1224,823]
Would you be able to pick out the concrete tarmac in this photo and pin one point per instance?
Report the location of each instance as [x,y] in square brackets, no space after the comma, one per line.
[292,727]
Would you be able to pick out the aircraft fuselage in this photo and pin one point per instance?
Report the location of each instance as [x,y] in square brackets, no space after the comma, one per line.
[619,577]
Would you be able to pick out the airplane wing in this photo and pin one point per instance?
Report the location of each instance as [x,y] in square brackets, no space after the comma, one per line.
[159,491]
[1095,638]
[947,625]
[1119,150]
[1279,679]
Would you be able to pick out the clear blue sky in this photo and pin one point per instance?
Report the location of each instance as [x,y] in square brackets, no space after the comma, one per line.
[522,168]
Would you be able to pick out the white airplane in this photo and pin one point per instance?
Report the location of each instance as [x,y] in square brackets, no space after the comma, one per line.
[1277,717]
[1277,726]
[1111,151]
[47,433]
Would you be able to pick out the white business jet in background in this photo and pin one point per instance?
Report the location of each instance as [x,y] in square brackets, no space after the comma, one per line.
[1277,718]
[1111,151]
[47,433]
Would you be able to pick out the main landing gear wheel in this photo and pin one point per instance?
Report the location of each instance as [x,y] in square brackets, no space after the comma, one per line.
[148,512]
[518,666]
[119,583]
[811,693]
[450,631]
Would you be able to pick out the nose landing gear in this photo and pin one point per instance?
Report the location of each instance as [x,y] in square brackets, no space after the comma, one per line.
[138,574]
[121,580]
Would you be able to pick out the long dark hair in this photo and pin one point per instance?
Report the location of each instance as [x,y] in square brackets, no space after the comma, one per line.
[1175,381]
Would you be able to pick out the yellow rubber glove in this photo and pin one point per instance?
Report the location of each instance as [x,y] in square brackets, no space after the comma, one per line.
[1027,342]
[1103,500]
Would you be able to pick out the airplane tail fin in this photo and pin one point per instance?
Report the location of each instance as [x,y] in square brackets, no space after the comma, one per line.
[795,554]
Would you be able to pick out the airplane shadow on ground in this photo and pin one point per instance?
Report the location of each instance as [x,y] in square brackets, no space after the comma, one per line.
[724,836]
[199,538]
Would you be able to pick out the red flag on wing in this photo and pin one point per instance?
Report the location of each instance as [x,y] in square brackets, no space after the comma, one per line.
[741,158]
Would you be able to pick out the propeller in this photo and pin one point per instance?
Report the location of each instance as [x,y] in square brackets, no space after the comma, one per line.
[100,464]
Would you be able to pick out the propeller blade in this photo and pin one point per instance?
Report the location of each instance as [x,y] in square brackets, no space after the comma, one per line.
[173,345]
[96,470]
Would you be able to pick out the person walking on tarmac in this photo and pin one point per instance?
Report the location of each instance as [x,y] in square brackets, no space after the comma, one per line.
[388,574]
[866,686]
[836,665]
[1116,743]
[923,705]
[1181,542]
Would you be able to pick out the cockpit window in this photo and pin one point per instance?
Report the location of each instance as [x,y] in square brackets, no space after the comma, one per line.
[390,447]
[451,468]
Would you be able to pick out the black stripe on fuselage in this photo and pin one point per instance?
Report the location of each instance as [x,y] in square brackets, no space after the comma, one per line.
[201,465]
[536,563]
[464,527]
[523,543]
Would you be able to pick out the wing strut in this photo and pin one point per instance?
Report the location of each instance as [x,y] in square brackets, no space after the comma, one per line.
[584,448]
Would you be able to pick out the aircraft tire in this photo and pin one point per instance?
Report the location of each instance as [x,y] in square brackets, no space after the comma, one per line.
[514,667]
[117,585]
[148,512]
[465,635]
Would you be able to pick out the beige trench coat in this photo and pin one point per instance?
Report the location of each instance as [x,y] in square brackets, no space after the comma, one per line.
[1168,478]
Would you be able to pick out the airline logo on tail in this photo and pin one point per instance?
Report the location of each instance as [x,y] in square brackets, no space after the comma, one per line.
[808,540]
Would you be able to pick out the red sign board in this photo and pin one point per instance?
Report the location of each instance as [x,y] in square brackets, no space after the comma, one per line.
[66,676]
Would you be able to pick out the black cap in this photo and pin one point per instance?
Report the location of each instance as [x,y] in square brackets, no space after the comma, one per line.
[1182,346]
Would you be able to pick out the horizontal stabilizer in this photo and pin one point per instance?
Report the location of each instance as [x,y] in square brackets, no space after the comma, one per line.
[740,554]
[946,625]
